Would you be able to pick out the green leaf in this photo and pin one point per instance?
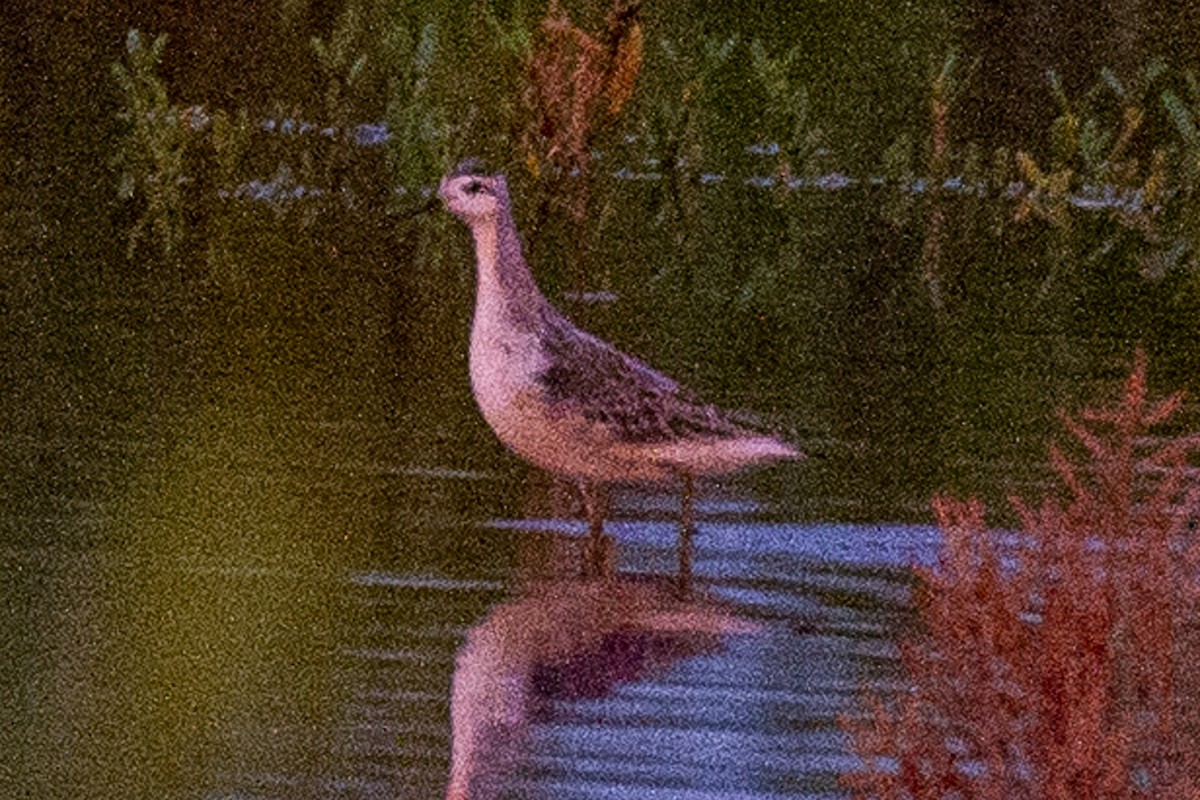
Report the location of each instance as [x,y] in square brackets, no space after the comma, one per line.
[1182,117]
[1111,80]
[1193,85]
[318,46]
[1056,89]
[898,159]
[356,69]
[716,51]
[427,47]
[156,49]
[1093,143]
[1154,70]
[947,73]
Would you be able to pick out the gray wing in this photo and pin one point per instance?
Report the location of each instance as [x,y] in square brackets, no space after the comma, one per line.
[588,376]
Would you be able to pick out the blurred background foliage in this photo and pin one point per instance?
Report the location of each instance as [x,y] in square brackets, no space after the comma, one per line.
[868,220]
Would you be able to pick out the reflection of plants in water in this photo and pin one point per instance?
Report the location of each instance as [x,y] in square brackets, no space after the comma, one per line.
[671,122]
[907,182]
[5,98]
[1087,148]
[1175,236]
[152,153]
[418,148]
[341,61]
[674,125]
[1096,147]
[786,119]
[577,84]
[1098,191]
[230,136]
[1061,665]
[1098,144]
[174,160]
[945,87]
[786,132]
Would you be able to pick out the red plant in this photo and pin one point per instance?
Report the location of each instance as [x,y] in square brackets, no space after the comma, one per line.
[575,82]
[1063,666]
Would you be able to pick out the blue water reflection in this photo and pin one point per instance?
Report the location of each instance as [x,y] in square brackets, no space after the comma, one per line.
[754,717]
[280,674]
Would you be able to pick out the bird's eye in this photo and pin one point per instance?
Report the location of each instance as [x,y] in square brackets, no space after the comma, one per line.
[474,187]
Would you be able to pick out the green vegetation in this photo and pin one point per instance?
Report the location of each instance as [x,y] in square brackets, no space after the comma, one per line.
[152,158]
[716,158]
[381,63]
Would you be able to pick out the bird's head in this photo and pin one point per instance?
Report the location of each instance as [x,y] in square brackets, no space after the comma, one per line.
[473,196]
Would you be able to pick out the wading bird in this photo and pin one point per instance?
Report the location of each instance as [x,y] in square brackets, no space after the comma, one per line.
[573,404]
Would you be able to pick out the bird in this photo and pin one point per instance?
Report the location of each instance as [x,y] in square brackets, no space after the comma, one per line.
[571,403]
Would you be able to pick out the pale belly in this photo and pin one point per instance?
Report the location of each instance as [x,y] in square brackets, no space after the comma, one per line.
[507,391]
[504,377]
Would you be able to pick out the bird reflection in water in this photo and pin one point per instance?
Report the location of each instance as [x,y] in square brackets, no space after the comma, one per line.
[566,639]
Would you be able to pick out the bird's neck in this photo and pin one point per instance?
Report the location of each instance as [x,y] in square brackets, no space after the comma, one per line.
[503,274]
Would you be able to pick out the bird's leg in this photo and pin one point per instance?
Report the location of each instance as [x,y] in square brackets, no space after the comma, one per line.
[592,561]
[686,530]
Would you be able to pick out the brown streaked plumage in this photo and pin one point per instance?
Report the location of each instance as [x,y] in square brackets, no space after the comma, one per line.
[571,403]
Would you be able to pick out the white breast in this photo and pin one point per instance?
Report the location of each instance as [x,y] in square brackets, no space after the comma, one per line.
[501,368]
[505,361]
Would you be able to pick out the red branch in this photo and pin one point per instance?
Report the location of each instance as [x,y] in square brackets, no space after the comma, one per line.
[1064,667]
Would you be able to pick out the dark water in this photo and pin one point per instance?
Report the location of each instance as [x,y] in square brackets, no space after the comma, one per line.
[281,674]
[250,512]
[244,535]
